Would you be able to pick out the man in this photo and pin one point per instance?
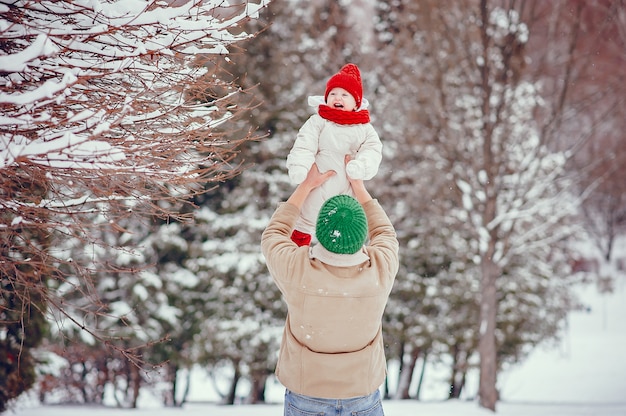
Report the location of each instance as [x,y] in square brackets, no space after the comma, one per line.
[332,359]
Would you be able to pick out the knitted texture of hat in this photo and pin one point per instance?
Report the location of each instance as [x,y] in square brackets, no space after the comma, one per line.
[348,78]
[341,225]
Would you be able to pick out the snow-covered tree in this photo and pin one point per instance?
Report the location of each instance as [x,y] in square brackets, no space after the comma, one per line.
[434,105]
[199,285]
[110,111]
[237,309]
[477,126]
[480,134]
[244,327]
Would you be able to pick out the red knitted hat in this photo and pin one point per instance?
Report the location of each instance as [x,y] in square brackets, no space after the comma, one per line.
[349,78]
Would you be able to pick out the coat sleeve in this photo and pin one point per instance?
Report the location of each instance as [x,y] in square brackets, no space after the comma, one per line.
[279,250]
[305,147]
[367,159]
[383,246]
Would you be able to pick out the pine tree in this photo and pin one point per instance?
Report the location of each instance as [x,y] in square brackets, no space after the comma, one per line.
[245,313]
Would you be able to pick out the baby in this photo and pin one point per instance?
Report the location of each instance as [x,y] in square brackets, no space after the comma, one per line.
[340,127]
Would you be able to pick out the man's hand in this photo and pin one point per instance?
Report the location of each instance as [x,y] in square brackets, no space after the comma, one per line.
[313,179]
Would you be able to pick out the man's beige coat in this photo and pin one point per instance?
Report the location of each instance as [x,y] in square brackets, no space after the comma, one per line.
[332,345]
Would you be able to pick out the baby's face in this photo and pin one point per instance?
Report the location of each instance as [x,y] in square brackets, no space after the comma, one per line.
[341,99]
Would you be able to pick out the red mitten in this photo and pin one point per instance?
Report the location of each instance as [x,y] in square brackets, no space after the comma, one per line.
[300,238]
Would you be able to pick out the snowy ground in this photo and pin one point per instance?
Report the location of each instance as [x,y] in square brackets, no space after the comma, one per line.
[585,375]
[392,408]
[589,366]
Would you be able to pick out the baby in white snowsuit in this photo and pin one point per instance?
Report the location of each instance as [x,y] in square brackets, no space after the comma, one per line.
[340,127]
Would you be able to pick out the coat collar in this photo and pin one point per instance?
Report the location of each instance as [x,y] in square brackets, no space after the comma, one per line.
[318,251]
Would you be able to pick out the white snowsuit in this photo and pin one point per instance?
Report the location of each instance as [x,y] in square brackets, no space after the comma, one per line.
[326,143]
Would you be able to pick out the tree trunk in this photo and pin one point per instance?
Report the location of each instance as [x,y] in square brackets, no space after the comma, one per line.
[458,382]
[183,399]
[487,392]
[459,372]
[400,367]
[83,384]
[489,270]
[386,394]
[421,380]
[171,399]
[407,374]
[103,378]
[136,383]
[257,389]
[232,393]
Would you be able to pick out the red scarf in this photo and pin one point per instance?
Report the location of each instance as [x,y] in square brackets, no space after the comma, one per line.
[344,117]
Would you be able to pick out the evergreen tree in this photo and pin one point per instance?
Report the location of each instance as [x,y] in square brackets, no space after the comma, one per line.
[243,311]
[22,328]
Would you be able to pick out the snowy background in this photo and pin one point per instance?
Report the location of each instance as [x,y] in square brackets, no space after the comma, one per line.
[583,375]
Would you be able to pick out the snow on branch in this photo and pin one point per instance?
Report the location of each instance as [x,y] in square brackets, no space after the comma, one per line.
[111,109]
[117,88]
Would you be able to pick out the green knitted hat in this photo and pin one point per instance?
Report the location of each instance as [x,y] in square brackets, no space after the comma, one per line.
[341,225]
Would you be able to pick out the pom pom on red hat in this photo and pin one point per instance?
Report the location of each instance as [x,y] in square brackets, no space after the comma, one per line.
[348,78]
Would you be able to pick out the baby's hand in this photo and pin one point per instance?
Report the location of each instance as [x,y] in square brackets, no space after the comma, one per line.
[358,187]
[355,169]
[297,174]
